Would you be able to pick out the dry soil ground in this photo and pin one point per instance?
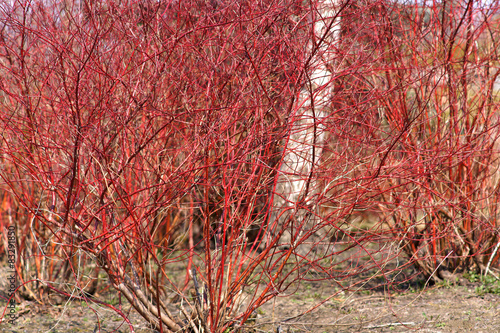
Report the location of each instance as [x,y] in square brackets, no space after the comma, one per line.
[463,307]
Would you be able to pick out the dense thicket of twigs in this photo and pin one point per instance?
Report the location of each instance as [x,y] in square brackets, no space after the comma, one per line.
[140,136]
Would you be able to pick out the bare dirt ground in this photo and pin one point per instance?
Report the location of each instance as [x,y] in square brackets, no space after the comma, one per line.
[442,308]
[460,307]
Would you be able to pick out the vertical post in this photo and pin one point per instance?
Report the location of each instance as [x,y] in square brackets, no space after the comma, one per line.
[292,201]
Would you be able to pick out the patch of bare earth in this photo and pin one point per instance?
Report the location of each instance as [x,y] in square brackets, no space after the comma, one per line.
[442,308]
